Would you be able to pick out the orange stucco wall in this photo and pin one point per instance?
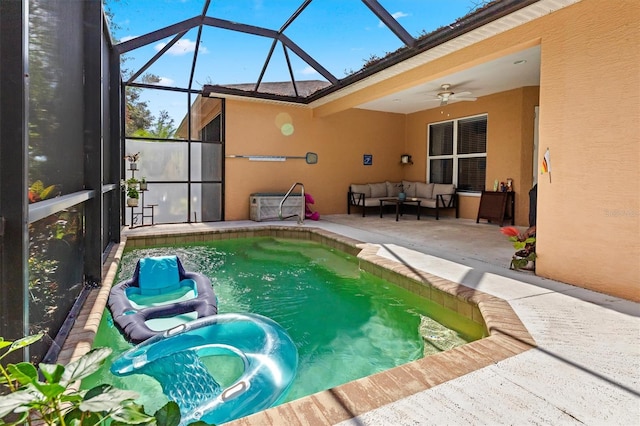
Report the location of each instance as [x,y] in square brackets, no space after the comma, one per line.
[340,140]
[510,118]
[589,98]
[589,211]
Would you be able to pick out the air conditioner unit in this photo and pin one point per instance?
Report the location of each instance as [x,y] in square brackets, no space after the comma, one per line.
[264,206]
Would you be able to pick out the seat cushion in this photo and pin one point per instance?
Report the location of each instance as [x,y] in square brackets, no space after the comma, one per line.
[430,203]
[393,188]
[443,188]
[446,190]
[424,190]
[409,188]
[364,188]
[372,202]
[378,190]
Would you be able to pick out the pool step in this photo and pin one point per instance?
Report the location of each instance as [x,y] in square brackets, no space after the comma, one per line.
[437,337]
[302,251]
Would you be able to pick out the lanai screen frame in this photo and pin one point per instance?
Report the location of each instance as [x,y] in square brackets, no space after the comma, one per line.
[95,199]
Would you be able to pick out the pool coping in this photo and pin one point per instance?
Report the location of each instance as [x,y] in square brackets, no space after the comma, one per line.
[507,335]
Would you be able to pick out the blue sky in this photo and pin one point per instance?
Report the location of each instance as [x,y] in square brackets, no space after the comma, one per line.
[340,34]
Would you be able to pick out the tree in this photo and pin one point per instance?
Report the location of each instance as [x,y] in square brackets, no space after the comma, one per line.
[160,128]
[139,121]
[138,117]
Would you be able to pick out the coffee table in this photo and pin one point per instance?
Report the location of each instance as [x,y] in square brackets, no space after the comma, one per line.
[398,202]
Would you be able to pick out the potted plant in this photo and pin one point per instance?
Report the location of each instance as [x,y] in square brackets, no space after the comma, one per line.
[143,184]
[133,193]
[525,244]
[402,195]
[133,160]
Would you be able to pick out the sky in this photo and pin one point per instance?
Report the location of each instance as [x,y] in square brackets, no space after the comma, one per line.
[339,34]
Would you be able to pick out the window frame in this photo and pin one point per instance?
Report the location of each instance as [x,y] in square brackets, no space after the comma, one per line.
[455,156]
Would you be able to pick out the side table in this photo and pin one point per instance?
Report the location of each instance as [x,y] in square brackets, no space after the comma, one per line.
[398,202]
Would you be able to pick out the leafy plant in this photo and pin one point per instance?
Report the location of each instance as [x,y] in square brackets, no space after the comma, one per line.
[132,157]
[53,241]
[38,192]
[47,395]
[402,188]
[525,246]
[132,188]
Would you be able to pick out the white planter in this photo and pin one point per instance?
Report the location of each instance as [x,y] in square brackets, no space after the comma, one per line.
[133,166]
[143,186]
[132,202]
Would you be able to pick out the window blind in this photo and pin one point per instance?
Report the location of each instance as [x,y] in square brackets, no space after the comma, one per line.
[472,135]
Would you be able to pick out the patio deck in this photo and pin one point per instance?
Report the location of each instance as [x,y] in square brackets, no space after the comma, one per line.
[585,369]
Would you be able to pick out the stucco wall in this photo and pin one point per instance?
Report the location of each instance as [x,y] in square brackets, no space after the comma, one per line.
[589,97]
[340,140]
[589,211]
[589,215]
[510,118]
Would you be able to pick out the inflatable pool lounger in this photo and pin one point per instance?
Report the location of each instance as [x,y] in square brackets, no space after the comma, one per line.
[159,296]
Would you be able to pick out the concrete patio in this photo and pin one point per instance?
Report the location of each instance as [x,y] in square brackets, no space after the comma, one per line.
[585,370]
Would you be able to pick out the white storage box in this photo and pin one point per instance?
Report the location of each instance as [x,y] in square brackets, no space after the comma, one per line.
[264,206]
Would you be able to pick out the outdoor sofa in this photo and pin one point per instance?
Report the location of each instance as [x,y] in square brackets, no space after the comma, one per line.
[436,196]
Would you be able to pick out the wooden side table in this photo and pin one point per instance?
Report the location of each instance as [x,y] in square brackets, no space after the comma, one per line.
[497,206]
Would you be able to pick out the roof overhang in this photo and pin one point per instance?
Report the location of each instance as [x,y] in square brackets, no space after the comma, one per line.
[495,18]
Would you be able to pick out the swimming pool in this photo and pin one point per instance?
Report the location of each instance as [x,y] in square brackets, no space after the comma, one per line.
[506,334]
[347,323]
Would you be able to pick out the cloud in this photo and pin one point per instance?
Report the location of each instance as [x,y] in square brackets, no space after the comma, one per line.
[308,71]
[396,16]
[165,81]
[127,38]
[182,47]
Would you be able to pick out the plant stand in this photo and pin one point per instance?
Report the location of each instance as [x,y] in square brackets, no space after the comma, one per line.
[140,215]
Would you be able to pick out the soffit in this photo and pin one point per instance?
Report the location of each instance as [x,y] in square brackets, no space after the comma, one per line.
[492,77]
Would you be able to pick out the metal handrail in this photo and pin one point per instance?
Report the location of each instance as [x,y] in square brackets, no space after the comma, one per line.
[301,215]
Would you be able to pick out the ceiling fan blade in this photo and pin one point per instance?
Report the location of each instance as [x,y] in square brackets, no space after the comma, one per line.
[461,94]
[466,99]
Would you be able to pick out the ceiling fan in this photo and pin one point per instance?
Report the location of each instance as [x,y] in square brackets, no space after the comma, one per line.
[446,95]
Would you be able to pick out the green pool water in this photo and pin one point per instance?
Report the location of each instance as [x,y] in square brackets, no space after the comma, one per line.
[346,323]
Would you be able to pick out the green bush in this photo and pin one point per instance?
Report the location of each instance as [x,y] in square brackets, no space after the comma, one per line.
[46,395]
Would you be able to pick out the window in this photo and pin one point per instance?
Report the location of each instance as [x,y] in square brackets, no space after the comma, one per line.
[458,153]
[212,132]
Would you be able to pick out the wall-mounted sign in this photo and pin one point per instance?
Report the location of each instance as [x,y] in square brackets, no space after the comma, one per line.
[367,159]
